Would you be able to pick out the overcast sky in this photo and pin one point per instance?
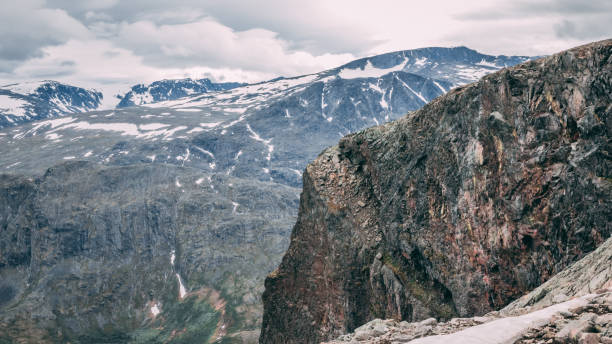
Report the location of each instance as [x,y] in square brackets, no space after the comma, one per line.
[98,42]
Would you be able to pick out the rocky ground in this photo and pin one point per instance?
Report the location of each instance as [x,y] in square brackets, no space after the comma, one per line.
[575,306]
[586,322]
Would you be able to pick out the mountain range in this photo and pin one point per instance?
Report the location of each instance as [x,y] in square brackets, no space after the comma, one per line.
[158,221]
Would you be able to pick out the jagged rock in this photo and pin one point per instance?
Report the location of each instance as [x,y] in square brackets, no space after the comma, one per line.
[480,196]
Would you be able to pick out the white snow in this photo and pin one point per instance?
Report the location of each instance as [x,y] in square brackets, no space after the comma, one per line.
[152,157]
[182,290]
[199,181]
[12,106]
[110,114]
[155,310]
[287,113]
[54,123]
[237,110]
[376,88]
[172,257]
[505,330]
[487,64]
[235,207]
[69,157]
[296,172]
[238,155]
[189,110]
[88,154]
[256,137]
[420,62]
[411,90]
[368,71]
[53,136]
[210,125]
[24,87]
[13,165]
[205,151]
[152,126]
[195,130]
[439,86]
[178,184]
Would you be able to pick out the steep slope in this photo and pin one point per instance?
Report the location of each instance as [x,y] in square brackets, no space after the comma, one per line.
[20,103]
[454,210]
[170,90]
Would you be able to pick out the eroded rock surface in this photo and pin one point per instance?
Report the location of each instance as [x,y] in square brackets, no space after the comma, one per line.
[575,306]
[455,210]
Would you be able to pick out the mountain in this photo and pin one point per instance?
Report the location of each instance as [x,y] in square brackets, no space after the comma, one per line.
[25,102]
[170,90]
[454,210]
[164,219]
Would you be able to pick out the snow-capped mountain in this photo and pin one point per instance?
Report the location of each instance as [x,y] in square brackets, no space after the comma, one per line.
[458,66]
[24,102]
[171,89]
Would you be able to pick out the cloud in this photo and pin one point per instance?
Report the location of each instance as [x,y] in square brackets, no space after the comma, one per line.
[207,42]
[26,28]
[144,40]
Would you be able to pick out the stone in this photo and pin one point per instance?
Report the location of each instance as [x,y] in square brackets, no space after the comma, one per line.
[455,238]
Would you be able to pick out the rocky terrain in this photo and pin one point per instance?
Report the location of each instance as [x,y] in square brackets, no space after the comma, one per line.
[573,306]
[159,223]
[454,210]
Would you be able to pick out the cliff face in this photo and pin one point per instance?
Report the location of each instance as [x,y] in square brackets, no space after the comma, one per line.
[456,209]
[138,253]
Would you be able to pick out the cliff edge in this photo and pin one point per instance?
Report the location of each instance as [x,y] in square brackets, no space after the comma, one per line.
[456,209]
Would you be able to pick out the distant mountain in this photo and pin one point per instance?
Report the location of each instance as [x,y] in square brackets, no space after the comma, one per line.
[172,89]
[24,102]
[171,213]
[458,66]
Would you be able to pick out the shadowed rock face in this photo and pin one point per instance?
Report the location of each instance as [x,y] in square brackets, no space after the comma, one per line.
[455,210]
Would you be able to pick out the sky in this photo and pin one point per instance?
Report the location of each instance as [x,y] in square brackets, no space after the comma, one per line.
[113,43]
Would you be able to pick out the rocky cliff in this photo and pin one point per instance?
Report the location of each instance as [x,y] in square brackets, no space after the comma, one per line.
[137,253]
[573,306]
[456,209]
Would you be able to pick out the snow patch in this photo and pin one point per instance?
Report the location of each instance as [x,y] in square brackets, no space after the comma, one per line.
[195,130]
[505,330]
[12,106]
[152,126]
[369,71]
[155,310]
[182,290]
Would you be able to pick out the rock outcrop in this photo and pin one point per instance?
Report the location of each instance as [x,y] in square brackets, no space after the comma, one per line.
[455,210]
[573,306]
